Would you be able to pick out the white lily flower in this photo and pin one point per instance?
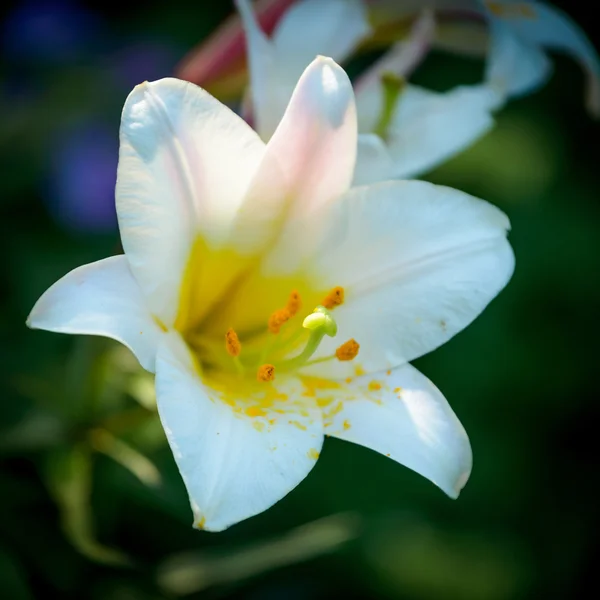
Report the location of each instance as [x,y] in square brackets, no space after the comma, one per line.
[274,303]
[520,33]
[404,130]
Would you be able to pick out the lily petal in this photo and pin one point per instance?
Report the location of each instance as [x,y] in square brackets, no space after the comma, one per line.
[234,466]
[514,65]
[269,95]
[179,149]
[328,27]
[101,298]
[309,161]
[374,161]
[543,25]
[333,28]
[403,57]
[429,127]
[404,416]
[418,262]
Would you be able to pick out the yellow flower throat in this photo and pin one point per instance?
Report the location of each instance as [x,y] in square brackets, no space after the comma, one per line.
[239,343]
[270,356]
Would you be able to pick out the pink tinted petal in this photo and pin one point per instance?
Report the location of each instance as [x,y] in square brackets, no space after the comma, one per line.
[309,161]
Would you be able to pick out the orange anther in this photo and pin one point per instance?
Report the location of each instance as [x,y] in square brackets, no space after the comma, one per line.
[294,303]
[265,373]
[232,343]
[334,298]
[277,319]
[348,350]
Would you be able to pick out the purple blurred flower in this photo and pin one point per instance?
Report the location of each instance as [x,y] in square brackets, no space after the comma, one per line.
[54,31]
[83,175]
[84,165]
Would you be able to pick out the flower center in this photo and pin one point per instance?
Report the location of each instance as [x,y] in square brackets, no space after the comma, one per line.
[286,343]
[247,352]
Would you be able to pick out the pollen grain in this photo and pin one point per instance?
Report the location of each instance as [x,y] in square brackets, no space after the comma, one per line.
[277,319]
[294,303]
[348,350]
[265,373]
[334,298]
[232,343]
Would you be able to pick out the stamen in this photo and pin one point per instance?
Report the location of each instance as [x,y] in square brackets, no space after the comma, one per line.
[348,350]
[277,319]
[265,373]
[334,298]
[320,323]
[294,303]
[232,343]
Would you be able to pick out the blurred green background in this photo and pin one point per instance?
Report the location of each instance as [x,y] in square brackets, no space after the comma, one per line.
[91,504]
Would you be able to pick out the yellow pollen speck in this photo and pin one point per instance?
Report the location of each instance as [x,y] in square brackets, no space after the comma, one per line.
[255,411]
[265,373]
[348,350]
[298,425]
[277,319]
[374,386]
[359,371]
[388,372]
[335,410]
[232,343]
[161,325]
[312,453]
[201,523]
[334,298]
[348,379]
[294,303]
[258,425]
[347,424]
[397,390]
[322,402]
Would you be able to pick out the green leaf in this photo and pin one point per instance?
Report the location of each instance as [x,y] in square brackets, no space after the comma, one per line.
[69,479]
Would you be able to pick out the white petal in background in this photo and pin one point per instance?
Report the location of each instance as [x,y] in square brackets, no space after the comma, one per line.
[515,66]
[233,466]
[374,161]
[402,58]
[101,298]
[429,128]
[330,28]
[426,129]
[184,166]
[269,96]
[409,420]
[543,25]
[418,263]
